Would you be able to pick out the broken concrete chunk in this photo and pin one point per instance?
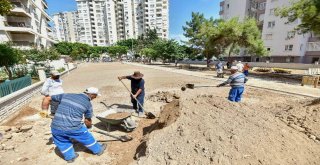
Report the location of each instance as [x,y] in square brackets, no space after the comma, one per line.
[26,128]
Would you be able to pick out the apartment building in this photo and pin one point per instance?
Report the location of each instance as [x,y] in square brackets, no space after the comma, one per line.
[122,19]
[282,42]
[27,26]
[66,26]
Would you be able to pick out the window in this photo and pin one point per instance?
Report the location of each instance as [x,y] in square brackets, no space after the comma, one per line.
[272,11]
[290,35]
[268,49]
[228,6]
[290,59]
[271,24]
[288,47]
[268,36]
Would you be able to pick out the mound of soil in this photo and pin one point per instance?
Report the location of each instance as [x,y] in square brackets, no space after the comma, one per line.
[163,96]
[116,116]
[208,129]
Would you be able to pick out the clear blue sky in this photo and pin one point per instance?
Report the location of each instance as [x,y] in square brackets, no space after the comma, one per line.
[180,11]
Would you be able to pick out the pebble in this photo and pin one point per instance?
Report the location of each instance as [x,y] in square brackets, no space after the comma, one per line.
[5,128]
[22,159]
[26,128]
[7,136]
[47,133]
[312,137]
[9,147]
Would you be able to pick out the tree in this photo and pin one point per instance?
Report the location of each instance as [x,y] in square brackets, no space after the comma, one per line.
[308,11]
[129,43]
[149,53]
[167,49]
[192,29]
[117,51]
[80,50]
[8,58]
[64,48]
[36,55]
[5,7]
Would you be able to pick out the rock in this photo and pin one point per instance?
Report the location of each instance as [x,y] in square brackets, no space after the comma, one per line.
[47,133]
[1,148]
[5,128]
[22,159]
[7,136]
[9,148]
[47,137]
[26,128]
[312,137]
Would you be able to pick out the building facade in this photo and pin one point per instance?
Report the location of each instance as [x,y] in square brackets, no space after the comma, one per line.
[283,43]
[66,27]
[27,26]
[104,22]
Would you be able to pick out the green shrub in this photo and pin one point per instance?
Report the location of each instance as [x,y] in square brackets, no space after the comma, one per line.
[280,70]
[60,70]
[263,70]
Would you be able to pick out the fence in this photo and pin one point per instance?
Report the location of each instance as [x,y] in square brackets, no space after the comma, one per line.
[9,87]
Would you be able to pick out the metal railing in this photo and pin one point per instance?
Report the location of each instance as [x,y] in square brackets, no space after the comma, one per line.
[9,87]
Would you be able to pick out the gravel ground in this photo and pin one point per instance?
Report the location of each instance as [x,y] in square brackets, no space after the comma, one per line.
[194,127]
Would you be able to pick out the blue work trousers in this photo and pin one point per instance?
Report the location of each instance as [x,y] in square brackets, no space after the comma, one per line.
[62,141]
[235,94]
[136,106]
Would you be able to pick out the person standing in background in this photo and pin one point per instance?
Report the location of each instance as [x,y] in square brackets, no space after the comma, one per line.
[52,86]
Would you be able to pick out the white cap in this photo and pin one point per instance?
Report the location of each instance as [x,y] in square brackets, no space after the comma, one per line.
[239,61]
[92,90]
[234,68]
[55,73]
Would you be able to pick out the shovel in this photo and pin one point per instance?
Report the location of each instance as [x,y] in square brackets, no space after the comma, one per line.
[120,138]
[192,86]
[148,114]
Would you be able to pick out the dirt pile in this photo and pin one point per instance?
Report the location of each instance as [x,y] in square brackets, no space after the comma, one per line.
[212,130]
[118,115]
[163,96]
[304,117]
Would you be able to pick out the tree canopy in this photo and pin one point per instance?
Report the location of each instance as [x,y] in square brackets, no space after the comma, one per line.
[5,7]
[9,57]
[308,11]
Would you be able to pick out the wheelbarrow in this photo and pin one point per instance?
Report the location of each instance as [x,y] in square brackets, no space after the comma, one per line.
[126,122]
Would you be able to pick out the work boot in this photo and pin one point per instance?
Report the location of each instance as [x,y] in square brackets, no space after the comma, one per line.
[103,147]
[72,160]
[141,114]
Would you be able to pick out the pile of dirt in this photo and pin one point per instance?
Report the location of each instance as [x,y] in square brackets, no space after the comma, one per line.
[212,130]
[115,116]
[163,96]
[17,119]
[303,117]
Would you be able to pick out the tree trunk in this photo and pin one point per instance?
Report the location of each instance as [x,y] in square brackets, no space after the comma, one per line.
[230,51]
[9,73]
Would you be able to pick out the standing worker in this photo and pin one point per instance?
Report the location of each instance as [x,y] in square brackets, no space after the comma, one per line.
[219,69]
[246,69]
[67,123]
[52,86]
[236,81]
[240,66]
[137,89]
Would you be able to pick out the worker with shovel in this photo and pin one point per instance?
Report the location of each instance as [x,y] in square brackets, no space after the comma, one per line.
[67,123]
[137,90]
[236,81]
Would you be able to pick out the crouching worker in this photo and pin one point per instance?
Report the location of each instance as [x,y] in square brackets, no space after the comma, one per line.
[137,89]
[236,81]
[67,123]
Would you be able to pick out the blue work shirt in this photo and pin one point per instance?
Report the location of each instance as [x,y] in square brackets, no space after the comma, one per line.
[136,84]
[71,110]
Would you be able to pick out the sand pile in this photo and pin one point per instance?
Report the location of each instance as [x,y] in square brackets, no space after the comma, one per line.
[208,129]
[163,96]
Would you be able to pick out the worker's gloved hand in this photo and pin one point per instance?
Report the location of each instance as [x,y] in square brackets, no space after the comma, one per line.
[44,114]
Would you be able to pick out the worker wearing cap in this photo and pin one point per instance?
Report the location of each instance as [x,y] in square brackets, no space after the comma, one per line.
[67,123]
[52,86]
[137,89]
[236,81]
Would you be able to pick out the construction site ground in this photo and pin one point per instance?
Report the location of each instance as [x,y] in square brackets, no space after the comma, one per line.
[196,126]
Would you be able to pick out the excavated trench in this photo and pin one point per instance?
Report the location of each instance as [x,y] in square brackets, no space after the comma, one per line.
[169,114]
[126,153]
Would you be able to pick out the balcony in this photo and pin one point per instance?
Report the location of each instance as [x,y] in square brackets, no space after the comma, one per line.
[222,3]
[313,48]
[45,4]
[24,45]
[20,9]
[221,12]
